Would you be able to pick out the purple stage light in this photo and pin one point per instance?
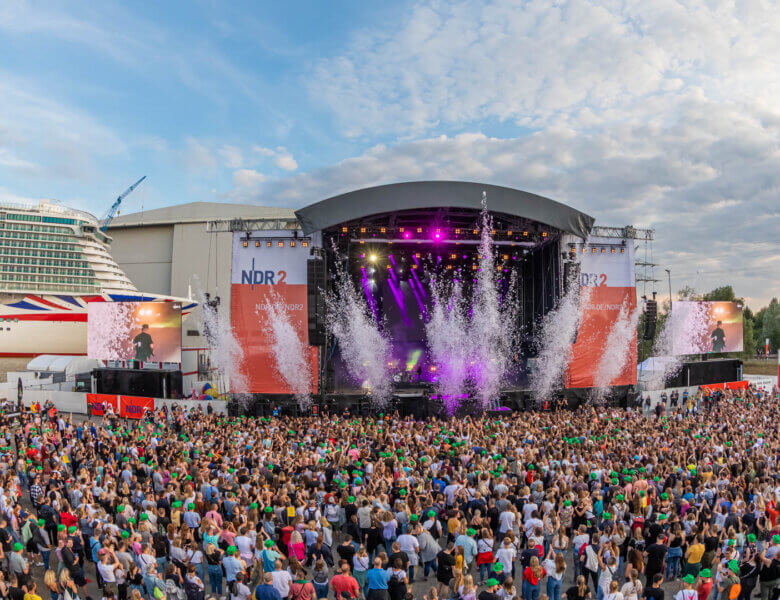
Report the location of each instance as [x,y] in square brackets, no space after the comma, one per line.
[436,236]
[362,255]
[407,235]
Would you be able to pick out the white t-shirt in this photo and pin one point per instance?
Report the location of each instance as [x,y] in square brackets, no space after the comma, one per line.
[506,520]
[281,582]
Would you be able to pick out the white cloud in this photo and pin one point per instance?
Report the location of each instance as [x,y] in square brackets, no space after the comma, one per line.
[286,161]
[541,63]
[42,137]
[231,156]
[197,157]
[248,180]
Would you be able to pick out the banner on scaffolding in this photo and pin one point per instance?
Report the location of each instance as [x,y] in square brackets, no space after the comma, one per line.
[268,272]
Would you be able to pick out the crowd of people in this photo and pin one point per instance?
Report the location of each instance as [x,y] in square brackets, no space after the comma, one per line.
[596,503]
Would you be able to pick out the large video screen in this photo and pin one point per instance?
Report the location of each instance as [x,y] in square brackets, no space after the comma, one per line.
[143,331]
[706,327]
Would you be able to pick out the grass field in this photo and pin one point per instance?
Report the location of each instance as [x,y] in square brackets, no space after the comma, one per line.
[759,367]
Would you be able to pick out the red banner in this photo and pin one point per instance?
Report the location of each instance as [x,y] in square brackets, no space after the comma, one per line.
[134,407]
[711,387]
[737,385]
[96,403]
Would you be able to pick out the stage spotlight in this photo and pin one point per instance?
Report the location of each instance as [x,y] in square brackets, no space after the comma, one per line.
[372,258]
[475,231]
[509,232]
[449,267]
[453,256]
[414,267]
[613,251]
[292,244]
[246,243]
[594,250]
[382,230]
[584,249]
[544,234]
[257,244]
[362,255]
[361,242]
[417,255]
[280,244]
[622,250]
[437,236]
[506,257]
[362,230]
[401,229]
[473,267]
[305,244]
[492,232]
[389,267]
[432,368]
[457,232]
[419,230]
[268,244]
[525,234]
[344,230]
[603,250]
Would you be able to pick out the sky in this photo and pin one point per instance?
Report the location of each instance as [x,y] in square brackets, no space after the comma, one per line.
[658,114]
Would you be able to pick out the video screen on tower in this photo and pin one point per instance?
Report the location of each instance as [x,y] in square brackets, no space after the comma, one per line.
[699,327]
[142,331]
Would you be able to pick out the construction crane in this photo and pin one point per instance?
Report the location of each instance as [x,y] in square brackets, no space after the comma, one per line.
[115,206]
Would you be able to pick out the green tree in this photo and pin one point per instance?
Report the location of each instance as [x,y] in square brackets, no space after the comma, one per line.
[770,324]
[721,294]
[748,333]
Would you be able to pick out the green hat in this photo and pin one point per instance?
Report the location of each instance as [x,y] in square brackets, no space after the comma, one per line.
[661,516]
[470,531]
[731,543]
[268,509]
[492,582]
[268,543]
[751,537]
[253,506]
[125,534]
[656,479]
[131,520]
[402,492]
[72,529]
[60,527]
[567,502]
[705,573]
[606,516]
[144,517]
[641,493]
[431,513]
[176,503]
[41,522]
[615,481]
[120,508]
[351,499]
[734,566]
[688,579]
[498,567]
[18,547]
[191,506]
[231,550]
[664,496]
[620,497]
[413,518]
[776,539]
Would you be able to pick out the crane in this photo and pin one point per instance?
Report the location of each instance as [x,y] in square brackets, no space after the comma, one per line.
[115,206]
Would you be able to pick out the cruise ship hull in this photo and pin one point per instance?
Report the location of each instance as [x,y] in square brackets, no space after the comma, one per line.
[31,325]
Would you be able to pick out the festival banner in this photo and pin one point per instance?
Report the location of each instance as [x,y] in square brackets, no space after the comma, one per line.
[607,284]
[96,403]
[134,407]
[261,271]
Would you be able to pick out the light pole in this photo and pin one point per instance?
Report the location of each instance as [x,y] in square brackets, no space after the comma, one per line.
[669,275]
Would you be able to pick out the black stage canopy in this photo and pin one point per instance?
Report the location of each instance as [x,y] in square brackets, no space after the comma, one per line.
[434,194]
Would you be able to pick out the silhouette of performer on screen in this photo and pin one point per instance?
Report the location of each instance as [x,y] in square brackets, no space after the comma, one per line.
[143,344]
[718,338]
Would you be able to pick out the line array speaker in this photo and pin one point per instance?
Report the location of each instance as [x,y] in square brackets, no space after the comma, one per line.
[651,318]
[315,286]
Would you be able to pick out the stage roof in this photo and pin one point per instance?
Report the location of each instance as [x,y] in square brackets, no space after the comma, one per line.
[418,195]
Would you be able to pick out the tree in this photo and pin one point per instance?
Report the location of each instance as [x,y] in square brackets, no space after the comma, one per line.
[721,294]
[748,333]
[687,293]
[770,324]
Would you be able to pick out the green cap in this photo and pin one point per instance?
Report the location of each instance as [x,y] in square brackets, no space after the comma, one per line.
[751,537]
[231,550]
[144,517]
[492,582]
[734,566]
[498,567]
[470,531]
[18,547]
[413,518]
[120,508]
[191,506]
[731,543]
[253,506]
[125,534]
[72,529]
[656,479]
[60,527]
[431,513]
[705,573]
[351,499]
[268,543]
[620,497]
[268,509]
[41,522]
[567,502]
[776,539]
[664,496]
[661,516]
[176,503]
[606,516]
[131,520]
[688,579]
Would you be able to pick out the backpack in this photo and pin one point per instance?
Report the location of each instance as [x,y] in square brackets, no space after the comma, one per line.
[173,591]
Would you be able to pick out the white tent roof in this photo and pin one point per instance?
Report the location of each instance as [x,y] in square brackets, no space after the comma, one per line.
[70,365]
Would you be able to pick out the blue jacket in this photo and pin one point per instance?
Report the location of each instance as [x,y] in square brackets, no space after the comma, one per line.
[266,592]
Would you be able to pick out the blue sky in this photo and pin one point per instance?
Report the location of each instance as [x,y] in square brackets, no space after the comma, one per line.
[661,114]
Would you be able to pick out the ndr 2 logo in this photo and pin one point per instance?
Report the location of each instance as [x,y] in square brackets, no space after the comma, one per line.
[255,277]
